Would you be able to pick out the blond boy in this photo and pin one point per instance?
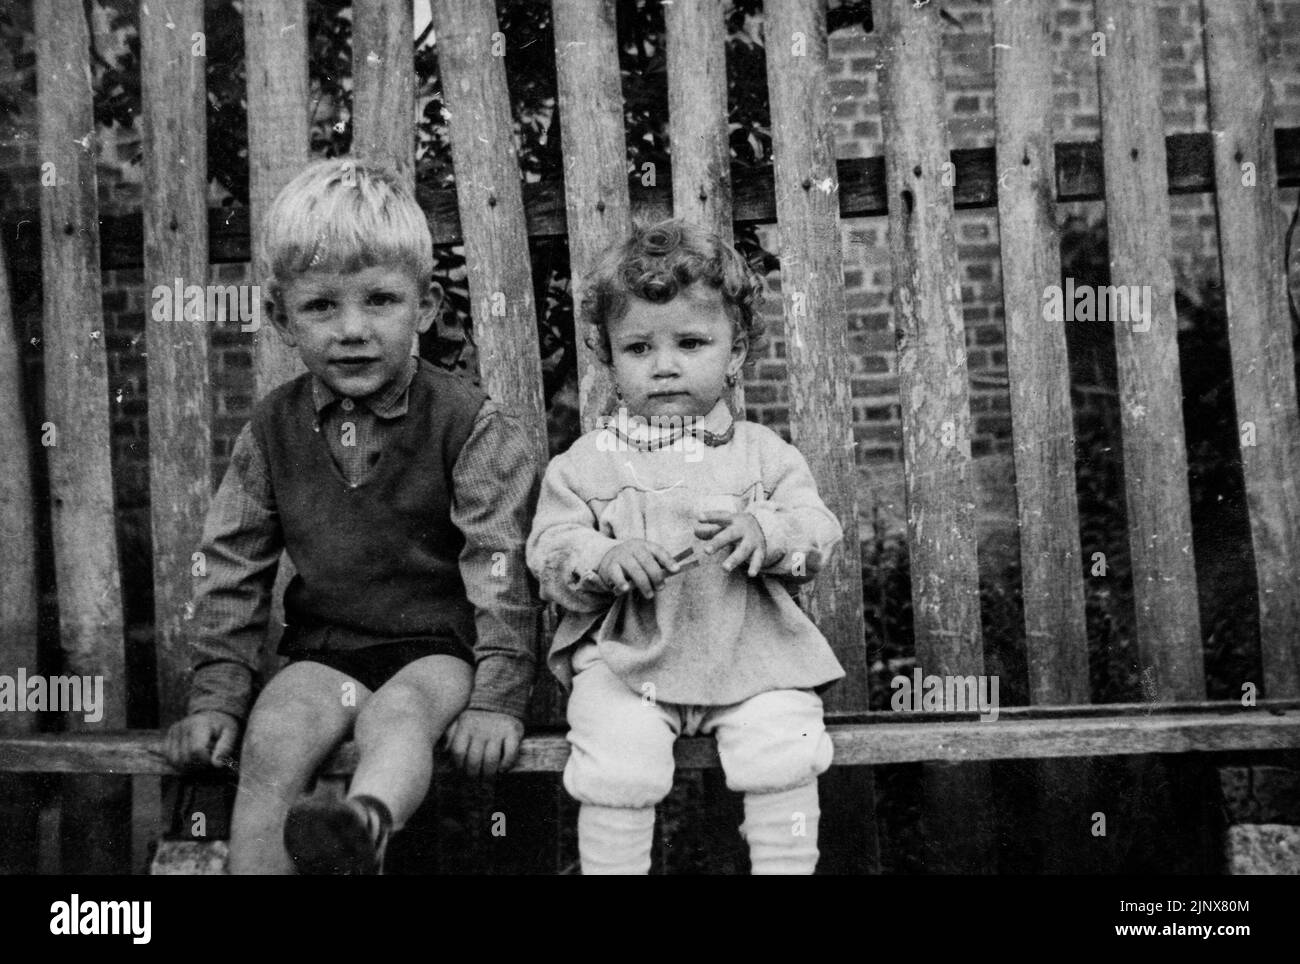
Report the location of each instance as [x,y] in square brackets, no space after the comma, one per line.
[403,496]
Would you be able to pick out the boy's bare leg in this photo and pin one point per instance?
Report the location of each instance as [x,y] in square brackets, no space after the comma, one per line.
[296,723]
[397,727]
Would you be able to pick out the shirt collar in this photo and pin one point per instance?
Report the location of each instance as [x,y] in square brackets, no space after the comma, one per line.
[389,402]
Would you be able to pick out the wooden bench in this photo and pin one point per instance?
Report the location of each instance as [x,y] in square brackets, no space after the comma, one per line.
[875,739]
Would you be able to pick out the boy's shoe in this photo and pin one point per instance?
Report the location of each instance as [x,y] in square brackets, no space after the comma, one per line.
[328,836]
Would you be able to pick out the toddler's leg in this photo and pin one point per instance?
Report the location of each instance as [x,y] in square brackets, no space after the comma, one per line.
[621,765]
[773,747]
[398,726]
[296,723]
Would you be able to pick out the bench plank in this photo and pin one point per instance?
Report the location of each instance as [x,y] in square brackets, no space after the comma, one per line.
[877,739]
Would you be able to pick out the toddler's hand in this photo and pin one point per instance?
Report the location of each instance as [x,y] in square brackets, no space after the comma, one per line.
[726,528]
[206,738]
[484,743]
[639,563]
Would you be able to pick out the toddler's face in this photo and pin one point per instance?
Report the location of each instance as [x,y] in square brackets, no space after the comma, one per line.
[673,358]
[354,330]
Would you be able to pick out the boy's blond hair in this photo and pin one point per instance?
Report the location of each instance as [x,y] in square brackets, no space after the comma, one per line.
[342,215]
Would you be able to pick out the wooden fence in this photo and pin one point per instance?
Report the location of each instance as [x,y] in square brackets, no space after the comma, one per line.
[917,184]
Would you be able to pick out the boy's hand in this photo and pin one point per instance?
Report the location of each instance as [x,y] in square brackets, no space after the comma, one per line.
[484,743]
[639,563]
[725,528]
[206,738]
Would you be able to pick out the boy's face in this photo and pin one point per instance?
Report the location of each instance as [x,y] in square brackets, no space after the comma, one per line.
[673,358]
[355,330]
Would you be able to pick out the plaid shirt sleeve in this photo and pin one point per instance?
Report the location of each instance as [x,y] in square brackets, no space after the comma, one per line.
[241,551]
[494,494]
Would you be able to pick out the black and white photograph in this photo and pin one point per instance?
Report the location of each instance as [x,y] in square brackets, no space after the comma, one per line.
[515,438]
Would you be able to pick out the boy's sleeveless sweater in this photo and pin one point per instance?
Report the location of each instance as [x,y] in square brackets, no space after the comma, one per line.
[379,559]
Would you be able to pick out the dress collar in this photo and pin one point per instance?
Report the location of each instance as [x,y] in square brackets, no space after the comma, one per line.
[388,402]
[715,428]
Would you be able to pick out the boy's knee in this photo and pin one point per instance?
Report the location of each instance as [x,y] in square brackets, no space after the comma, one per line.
[784,746]
[281,732]
[393,701]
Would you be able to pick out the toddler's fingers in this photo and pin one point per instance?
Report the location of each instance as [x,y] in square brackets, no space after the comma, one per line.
[707,530]
[620,578]
[716,516]
[756,561]
[637,574]
[654,570]
[663,557]
[738,556]
[726,537]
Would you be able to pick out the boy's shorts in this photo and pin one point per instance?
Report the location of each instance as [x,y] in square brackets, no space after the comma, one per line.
[373,666]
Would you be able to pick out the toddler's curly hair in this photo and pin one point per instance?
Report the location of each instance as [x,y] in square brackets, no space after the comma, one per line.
[656,263]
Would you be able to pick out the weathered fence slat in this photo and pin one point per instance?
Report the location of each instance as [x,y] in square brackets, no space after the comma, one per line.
[698,122]
[697,113]
[492,209]
[1155,452]
[489,197]
[934,388]
[816,323]
[933,381]
[19,590]
[597,208]
[1259,328]
[1041,416]
[275,45]
[77,416]
[1056,636]
[383,79]
[816,330]
[174,122]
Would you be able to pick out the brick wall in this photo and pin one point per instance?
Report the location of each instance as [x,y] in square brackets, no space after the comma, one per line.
[968,71]
[968,76]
